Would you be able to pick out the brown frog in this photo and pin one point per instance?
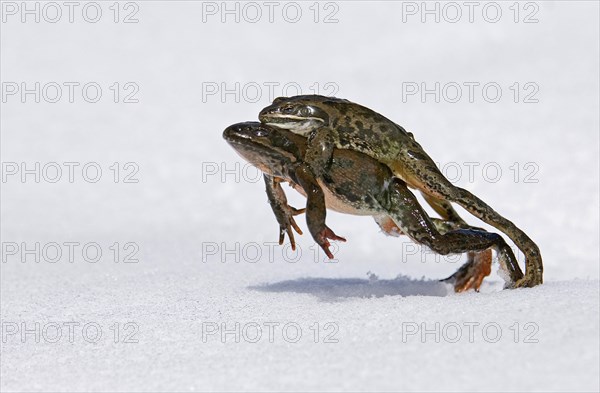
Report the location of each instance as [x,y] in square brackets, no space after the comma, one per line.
[332,123]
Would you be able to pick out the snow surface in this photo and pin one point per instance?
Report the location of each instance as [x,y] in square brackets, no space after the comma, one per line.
[383,319]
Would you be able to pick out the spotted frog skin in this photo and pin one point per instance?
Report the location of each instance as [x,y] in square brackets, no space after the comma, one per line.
[332,123]
[355,183]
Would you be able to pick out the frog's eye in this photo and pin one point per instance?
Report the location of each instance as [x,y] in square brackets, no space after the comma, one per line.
[259,132]
[305,111]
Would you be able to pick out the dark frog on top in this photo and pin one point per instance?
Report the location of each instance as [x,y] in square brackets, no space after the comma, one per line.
[358,184]
[331,123]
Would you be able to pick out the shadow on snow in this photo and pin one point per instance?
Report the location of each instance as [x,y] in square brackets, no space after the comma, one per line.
[340,288]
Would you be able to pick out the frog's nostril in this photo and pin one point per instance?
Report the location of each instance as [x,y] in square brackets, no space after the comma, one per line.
[232,131]
[263,112]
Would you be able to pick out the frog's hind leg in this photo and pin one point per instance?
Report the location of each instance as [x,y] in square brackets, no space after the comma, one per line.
[478,264]
[444,209]
[439,187]
[533,258]
[475,269]
[413,221]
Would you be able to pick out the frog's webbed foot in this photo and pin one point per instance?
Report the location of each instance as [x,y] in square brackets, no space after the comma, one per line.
[525,282]
[321,239]
[479,263]
[471,274]
[288,223]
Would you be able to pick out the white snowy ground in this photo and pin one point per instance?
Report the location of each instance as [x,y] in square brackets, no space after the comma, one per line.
[191,315]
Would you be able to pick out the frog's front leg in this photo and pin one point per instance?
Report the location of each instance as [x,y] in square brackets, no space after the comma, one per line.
[319,152]
[404,209]
[315,209]
[284,213]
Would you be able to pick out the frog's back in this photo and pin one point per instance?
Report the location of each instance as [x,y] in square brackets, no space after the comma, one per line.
[362,129]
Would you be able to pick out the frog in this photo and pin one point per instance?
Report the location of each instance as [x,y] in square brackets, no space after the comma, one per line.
[358,184]
[331,122]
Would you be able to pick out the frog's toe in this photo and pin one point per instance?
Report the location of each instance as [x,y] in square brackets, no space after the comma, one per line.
[525,282]
[295,211]
[289,228]
[290,233]
[469,282]
[323,235]
[472,273]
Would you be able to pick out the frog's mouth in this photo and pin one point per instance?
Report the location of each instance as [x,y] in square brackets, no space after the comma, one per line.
[264,157]
[296,124]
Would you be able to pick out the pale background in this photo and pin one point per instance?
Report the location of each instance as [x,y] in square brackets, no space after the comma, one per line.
[179,207]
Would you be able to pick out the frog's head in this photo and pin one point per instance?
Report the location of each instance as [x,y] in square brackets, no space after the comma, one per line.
[300,114]
[268,148]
